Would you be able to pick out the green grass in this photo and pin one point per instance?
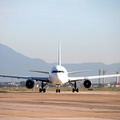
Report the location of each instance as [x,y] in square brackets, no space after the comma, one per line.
[24,89]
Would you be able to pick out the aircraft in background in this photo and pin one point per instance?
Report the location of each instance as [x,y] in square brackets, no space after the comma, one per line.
[58,76]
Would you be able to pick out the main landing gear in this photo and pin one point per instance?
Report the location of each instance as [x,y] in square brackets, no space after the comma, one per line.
[75,89]
[42,89]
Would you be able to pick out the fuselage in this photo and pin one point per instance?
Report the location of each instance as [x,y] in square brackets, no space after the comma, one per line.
[58,75]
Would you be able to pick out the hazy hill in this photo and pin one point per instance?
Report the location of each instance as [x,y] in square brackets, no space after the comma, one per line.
[14,63]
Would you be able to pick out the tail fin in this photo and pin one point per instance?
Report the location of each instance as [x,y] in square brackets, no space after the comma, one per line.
[59,53]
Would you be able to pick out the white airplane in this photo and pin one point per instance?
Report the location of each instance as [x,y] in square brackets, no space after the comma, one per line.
[58,76]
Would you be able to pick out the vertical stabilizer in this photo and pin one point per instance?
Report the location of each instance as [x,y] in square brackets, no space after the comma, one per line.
[59,53]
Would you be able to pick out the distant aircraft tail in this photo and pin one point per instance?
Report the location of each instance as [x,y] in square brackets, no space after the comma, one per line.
[59,53]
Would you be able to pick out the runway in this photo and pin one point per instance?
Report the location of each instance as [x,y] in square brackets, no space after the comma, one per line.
[87,105]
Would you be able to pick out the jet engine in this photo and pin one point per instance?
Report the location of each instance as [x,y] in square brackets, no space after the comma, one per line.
[87,83]
[29,84]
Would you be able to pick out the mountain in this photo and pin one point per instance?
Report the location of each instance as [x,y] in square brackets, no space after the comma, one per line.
[14,63]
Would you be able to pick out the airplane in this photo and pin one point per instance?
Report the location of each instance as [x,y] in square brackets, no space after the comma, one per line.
[58,75]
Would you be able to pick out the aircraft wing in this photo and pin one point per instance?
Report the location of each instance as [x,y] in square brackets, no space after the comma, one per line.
[72,79]
[46,79]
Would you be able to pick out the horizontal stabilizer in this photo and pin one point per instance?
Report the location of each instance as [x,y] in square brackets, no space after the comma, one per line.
[75,72]
[39,71]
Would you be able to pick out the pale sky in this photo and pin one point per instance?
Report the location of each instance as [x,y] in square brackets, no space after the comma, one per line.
[89,30]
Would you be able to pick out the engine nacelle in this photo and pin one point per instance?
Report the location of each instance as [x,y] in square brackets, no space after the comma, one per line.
[87,83]
[30,84]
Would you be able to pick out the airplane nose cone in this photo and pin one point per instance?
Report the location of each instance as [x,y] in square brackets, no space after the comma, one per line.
[63,78]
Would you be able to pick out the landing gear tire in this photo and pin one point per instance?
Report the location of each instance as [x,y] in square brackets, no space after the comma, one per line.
[42,90]
[57,90]
[75,90]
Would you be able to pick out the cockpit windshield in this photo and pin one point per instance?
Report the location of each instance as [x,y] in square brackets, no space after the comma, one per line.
[55,71]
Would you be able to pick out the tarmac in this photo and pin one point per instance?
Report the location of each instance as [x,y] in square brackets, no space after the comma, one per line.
[85,105]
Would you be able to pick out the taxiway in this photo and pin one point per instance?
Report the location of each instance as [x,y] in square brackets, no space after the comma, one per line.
[92,105]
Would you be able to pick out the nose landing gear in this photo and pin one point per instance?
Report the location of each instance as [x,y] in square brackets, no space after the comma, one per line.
[57,88]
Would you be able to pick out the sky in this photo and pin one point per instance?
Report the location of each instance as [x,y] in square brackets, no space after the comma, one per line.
[89,30]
